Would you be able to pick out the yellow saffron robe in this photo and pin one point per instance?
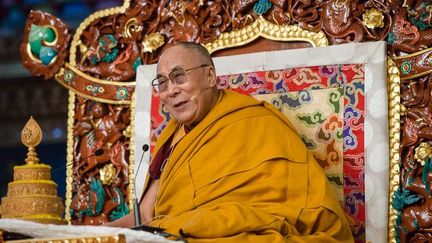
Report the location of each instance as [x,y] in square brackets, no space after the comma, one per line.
[243,175]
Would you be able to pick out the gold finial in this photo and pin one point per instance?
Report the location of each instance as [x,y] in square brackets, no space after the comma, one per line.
[31,136]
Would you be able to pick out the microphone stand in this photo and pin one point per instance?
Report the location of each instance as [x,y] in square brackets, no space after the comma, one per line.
[136,207]
[137,213]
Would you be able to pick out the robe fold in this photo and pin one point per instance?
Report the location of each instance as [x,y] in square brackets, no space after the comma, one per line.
[243,175]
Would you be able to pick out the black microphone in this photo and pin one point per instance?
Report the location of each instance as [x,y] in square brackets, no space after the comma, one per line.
[137,214]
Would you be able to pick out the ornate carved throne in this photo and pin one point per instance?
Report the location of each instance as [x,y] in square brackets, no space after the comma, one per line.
[98,64]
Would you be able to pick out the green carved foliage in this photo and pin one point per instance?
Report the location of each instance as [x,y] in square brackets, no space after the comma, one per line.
[39,40]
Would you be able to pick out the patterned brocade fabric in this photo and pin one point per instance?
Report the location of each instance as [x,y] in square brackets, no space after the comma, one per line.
[326,106]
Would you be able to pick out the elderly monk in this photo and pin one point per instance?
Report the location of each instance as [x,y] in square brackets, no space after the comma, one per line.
[229,168]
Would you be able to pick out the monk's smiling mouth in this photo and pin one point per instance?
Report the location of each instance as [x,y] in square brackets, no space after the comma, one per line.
[179,104]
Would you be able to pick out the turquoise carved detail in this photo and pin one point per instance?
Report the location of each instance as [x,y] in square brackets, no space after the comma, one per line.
[95,187]
[406,67]
[95,204]
[121,93]
[401,198]
[68,76]
[136,63]
[95,89]
[262,6]
[105,51]
[422,21]
[40,39]
[426,168]
[122,209]
[390,38]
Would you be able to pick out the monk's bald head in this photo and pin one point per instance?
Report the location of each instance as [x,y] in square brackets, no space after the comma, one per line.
[198,49]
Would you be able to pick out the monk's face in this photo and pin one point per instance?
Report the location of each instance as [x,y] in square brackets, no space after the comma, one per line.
[190,99]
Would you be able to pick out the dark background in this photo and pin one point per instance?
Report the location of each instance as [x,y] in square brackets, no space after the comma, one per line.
[22,96]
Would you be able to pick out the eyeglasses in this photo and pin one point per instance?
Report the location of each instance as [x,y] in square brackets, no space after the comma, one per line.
[177,77]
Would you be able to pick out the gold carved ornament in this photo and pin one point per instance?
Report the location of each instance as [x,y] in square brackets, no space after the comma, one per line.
[373,18]
[423,152]
[107,174]
[262,28]
[130,130]
[31,136]
[393,76]
[152,42]
[69,153]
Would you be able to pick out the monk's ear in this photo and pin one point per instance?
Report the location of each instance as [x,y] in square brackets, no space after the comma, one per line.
[212,77]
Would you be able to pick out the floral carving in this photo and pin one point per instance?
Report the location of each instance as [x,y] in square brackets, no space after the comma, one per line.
[373,18]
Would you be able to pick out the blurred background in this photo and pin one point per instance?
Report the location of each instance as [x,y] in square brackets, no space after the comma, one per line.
[22,96]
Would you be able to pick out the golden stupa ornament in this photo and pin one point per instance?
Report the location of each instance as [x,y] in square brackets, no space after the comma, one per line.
[32,195]
[31,136]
